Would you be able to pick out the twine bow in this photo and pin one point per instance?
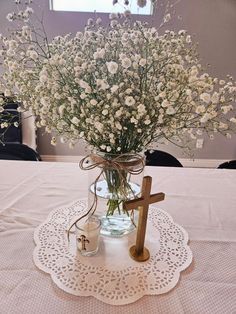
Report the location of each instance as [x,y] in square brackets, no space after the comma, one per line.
[132,164]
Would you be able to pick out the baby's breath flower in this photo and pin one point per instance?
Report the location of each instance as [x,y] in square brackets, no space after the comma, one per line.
[142,62]
[129,101]
[188,39]
[126,63]
[141,3]
[54,141]
[127,13]
[205,97]
[167,17]
[200,109]
[112,67]
[10,17]
[75,120]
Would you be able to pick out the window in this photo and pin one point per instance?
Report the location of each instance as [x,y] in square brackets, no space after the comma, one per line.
[102,6]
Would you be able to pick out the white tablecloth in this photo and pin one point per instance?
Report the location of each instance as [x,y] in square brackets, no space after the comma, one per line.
[203,201]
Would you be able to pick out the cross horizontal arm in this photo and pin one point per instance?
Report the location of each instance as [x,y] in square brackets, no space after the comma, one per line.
[132,204]
[158,197]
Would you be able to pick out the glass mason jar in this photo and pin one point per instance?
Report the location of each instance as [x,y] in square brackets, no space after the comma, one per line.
[114,180]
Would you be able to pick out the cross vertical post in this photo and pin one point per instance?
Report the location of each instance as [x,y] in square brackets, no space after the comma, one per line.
[138,252]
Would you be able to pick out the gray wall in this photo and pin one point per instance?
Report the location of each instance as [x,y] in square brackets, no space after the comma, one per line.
[213,25]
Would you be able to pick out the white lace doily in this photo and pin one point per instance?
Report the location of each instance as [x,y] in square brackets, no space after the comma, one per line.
[112,276]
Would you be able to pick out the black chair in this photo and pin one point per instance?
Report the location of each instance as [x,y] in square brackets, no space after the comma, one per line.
[14,151]
[11,146]
[228,165]
[11,134]
[160,158]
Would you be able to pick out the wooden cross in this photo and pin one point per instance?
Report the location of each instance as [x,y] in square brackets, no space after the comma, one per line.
[83,241]
[138,252]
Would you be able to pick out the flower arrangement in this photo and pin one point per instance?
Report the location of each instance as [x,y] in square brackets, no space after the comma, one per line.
[120,88]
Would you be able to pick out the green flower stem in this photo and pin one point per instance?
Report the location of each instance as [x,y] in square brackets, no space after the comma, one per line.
[120,189]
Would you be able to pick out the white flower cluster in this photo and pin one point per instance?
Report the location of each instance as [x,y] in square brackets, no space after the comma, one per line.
[140,3]
[22,15]
[120,88]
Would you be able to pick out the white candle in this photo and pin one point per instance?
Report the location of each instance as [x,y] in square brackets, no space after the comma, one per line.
[87,236]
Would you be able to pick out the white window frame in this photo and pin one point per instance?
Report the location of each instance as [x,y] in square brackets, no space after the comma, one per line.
[147,11]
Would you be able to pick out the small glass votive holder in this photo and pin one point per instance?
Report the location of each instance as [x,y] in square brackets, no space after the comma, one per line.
[87,236]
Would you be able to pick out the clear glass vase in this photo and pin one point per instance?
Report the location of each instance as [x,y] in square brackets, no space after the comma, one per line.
[115,179]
